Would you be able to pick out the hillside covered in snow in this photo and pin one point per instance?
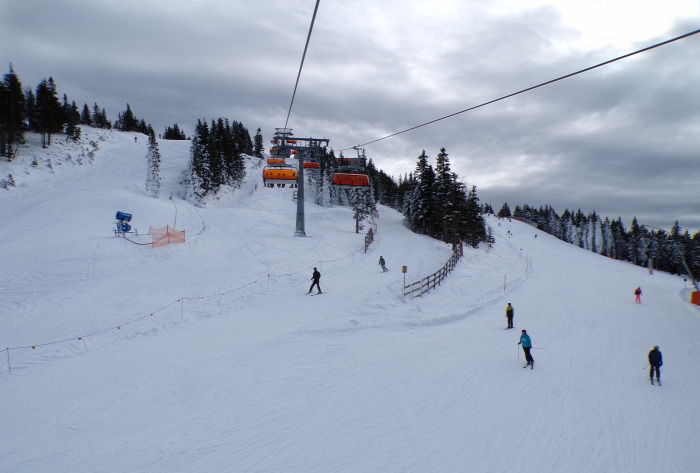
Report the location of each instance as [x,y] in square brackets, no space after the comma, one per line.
[209,355]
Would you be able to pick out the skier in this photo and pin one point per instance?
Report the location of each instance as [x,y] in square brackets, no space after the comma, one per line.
[382,263]
[316,281]
[638,295]
[509,315]
[527,344]
[655,362]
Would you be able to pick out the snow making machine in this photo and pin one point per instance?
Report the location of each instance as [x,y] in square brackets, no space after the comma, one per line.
[122,224]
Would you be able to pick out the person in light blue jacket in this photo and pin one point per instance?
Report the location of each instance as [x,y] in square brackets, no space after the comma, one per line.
[526,342]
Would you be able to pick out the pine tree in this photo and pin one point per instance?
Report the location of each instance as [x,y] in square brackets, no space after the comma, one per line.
[220,149]
[443,209]
[174,133]
[49,113]
[505,211]
[153,156]
[475,231]
[127,121]
[198,178]
[99,118]
[363,206]
[423,196]
[241,137]
[72,117]
[30,103]
[13,113]
[324,195]
[619,239]
[679,251]
[85,116]
[258,144]
[606,238]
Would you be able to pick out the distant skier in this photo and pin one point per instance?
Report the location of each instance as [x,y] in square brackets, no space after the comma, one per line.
[509,315]
[655,362]
[638,295]
[527,344]
[382,263]
[316,281]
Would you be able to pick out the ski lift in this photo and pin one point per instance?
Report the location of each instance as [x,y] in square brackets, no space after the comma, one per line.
[349,172]
[279,151]
[280,176]
[348,179]
[276,161]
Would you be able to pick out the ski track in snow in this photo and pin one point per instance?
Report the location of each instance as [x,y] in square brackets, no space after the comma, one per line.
[239,370]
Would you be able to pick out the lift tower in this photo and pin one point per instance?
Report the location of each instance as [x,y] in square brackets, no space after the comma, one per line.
[286,143]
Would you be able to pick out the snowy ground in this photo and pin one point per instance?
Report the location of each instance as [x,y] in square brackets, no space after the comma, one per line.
[237,369]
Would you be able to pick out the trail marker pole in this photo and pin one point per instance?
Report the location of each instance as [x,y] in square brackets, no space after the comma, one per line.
[404,270]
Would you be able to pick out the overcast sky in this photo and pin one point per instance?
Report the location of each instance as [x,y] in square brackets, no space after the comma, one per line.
[623,140]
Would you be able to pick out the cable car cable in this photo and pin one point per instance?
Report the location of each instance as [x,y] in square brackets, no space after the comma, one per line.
[308,37]
[531,88]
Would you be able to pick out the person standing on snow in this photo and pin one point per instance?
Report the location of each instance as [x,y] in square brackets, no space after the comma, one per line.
[638,295]
[655,362]
[527,344]
[382,263]
[509,315]
[316,277]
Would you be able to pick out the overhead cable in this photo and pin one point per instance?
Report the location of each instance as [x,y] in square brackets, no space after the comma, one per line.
[531,88]
[308,37]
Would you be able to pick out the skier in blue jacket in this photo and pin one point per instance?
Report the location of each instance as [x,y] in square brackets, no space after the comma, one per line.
[527,344]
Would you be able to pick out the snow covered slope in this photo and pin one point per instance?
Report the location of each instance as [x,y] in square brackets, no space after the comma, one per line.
[209,355]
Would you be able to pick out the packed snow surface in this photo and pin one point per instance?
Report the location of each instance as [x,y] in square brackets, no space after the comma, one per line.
[209,356]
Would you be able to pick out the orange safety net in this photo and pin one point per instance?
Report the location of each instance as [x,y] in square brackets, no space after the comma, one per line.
[166,235]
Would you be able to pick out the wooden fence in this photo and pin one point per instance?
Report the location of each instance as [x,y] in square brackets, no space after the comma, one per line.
[418,288]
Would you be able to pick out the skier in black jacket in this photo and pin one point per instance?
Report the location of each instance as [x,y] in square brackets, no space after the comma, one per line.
[655,362]
[316,281]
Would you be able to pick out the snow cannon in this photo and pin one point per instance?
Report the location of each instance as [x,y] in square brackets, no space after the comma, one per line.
[122,223]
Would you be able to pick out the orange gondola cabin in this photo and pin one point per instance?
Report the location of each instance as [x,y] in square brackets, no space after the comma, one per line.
[280,177]
[350,180]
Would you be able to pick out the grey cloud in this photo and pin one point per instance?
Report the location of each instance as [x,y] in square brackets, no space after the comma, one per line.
[621,140]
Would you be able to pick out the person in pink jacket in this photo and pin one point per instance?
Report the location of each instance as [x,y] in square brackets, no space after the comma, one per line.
[638,295]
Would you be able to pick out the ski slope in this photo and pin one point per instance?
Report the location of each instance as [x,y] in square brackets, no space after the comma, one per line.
[209,356]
